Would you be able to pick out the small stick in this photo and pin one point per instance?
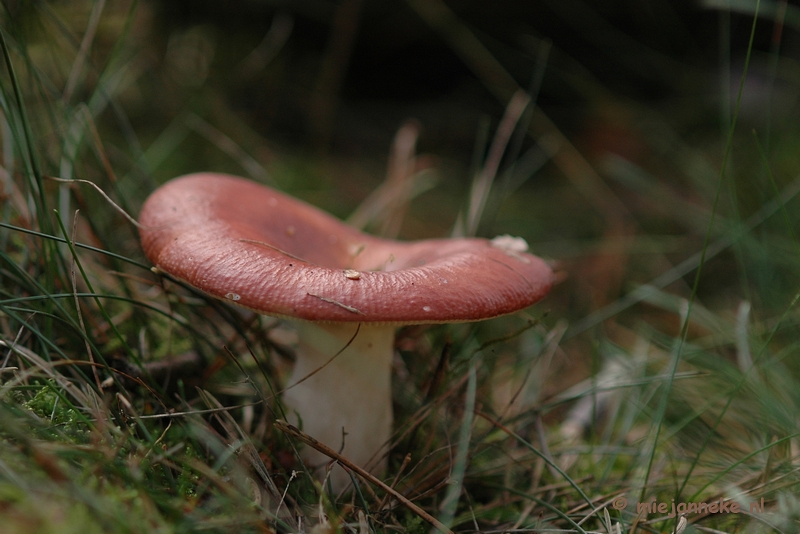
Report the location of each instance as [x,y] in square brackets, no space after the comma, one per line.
[286,428]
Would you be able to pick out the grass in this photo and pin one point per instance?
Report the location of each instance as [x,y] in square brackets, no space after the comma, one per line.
[664,367]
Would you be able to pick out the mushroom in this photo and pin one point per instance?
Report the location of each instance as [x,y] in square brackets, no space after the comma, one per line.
[347,292]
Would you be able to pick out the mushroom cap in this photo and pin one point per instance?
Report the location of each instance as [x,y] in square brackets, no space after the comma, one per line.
[261,249]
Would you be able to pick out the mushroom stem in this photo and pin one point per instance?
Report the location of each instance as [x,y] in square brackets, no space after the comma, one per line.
[344,402]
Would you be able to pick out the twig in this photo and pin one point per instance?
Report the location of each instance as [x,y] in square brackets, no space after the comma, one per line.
[286,428]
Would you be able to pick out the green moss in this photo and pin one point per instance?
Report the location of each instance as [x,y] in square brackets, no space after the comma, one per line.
[50,406]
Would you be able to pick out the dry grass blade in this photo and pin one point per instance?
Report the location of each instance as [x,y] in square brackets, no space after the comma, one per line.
[277,36]
[88,37]
[78,310]
[229,146]
[321,367]
[482,185]
[237,435]
[102,193]
[486,67]
[48,369]
[335,302]
[345,23]
[459,467]
[286,428]
[386,206]
[273,247]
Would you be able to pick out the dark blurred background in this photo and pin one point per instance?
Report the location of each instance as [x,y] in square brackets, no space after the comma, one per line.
[375,63]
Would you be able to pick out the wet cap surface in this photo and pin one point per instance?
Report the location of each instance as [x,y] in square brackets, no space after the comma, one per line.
[261,249]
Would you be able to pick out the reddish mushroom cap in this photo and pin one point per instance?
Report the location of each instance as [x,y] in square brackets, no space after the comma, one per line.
[244,242]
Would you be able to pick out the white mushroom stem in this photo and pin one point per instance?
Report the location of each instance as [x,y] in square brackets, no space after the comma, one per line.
[346,400]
